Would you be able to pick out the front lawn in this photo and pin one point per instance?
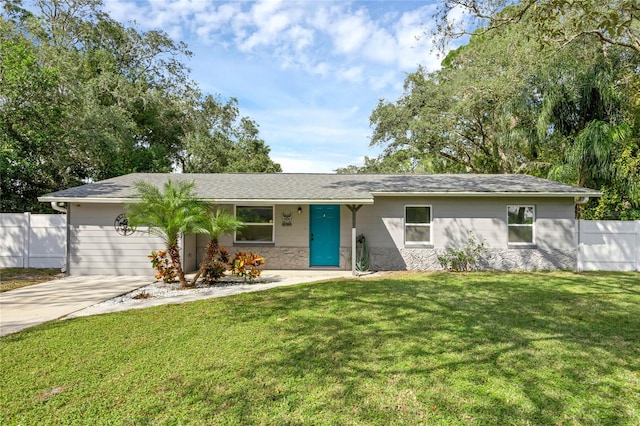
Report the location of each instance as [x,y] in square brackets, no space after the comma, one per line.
[481,348]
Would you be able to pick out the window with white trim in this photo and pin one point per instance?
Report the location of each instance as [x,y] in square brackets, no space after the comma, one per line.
[520,224]
[258,221]
[417,225]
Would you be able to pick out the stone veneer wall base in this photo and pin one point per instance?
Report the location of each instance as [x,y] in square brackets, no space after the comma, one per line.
[290,257]
[389,259]
[511,259]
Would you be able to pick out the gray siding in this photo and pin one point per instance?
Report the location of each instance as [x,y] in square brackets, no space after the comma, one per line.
[453,220]
[97,249]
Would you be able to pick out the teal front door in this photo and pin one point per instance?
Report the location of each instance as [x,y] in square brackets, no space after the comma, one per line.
[324,235]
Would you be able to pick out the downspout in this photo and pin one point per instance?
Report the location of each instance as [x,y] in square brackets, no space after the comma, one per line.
[582,200]
[57,207]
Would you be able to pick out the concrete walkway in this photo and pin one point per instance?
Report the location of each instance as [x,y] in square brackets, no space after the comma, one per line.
[76,296]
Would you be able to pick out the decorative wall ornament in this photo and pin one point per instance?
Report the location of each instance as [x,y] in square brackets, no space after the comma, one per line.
[122,225]
[286,219]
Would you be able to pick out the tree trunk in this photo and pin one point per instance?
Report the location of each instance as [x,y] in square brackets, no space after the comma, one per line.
[174,254]
[212,247]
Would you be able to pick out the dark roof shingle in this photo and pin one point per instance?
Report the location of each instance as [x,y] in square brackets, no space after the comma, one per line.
[312,187]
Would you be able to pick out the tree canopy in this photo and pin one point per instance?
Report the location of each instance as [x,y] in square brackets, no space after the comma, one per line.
[552,22]
[220,140]
[503,104]
[85,98]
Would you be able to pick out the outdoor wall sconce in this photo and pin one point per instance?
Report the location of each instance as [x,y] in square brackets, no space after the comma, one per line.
[299,210]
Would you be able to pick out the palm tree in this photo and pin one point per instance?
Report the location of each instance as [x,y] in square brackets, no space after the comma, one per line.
[215,224]
[587,120]
[168,214]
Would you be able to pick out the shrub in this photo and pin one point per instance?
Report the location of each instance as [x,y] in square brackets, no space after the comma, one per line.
[163,266]
[214,224]
[245,265]
[463,259]
[218,261]
[216,266]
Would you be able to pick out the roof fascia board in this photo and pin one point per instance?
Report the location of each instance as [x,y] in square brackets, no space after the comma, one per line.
[85,200]
[265,201]
[292,202]
[488,194]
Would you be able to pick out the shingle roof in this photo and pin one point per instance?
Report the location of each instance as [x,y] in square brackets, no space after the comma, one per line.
[337,188]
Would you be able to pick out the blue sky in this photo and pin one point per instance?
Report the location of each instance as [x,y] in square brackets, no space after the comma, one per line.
[308,72]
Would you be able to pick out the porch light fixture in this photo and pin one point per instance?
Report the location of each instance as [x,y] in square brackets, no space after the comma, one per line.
[299,210]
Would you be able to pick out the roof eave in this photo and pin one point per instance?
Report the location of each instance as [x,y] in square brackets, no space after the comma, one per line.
[266,201]
[106,200]
[488,194]
[292,201]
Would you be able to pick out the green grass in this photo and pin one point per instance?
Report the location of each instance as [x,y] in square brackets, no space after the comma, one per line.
[12,278]
[481,348]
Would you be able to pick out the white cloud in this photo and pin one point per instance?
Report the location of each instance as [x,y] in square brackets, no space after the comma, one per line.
[350,32]
[386,79]
[382,47]
[413,42]
[322,68]
[322,162]
[459,15]
[301,37]
[308,127]
[309,72]
[207,23]
[123,10]
[296,33]
[296,163]
[350,74]
[270,24]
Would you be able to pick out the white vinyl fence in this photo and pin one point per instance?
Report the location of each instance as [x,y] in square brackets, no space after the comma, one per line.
[33,241]
[608,245]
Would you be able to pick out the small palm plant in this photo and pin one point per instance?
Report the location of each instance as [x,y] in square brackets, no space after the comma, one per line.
[215,223]
[168,213]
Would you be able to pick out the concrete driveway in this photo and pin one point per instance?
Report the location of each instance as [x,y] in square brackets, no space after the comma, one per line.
[72,297]
[29,306]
